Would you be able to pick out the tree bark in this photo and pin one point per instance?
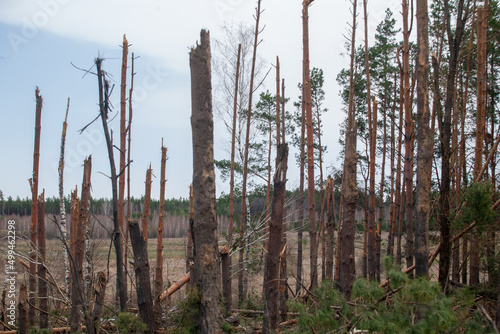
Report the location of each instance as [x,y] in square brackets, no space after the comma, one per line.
[206,270]
[330,229]
[143,282]
[145,209]
[226,280]
[117,240]
[271,314]
[34,196]
[424,144]
[189,251]
[242,276]
[313,254]
[482,23]
[62,209]
[99,293]
[23,308]
[42,270]
[123,140]
[159,244]
[371,260]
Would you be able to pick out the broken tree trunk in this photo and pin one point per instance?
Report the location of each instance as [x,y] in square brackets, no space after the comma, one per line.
[143,282]
[42,270]
[34,196]
[159,244]
[271,286]
[99,293]
[123,140]
[62,209]
[23,308]
[147,202]
[206,269]
[104,108]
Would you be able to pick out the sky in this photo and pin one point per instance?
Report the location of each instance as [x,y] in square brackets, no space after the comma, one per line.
[44,42]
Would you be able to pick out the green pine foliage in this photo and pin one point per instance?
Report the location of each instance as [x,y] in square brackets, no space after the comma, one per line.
[392,309]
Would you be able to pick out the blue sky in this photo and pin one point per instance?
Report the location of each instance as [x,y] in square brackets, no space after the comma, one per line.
[40,39]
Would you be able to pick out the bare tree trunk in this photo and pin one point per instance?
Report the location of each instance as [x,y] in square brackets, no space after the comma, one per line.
[206,271]
[117,240]
[339,229]
[145,209]
[313,254]
[123,140]
[129,131]
[159,244]
[393,209]
[271,314]
[283,255]
[298,285]
[378,235]
[347,261]
[34,196]
[226,280]
[480,131]
[330,229]
[372,120]
[42,270]
[62,209]
[233,150]
[143,282]
[190,255]
[99,292]
[23,308]
[408,168]
[425,141]
[241,278]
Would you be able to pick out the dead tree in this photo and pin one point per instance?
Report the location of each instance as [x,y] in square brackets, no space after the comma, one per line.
[99,293]
[123,140]
[147,202]
[310,148]
[271,314]
[206,270]
[62,209]
[42,270]
[330,229]
[159,244]
[143,282]
[104,108]
[371,244]
[34,196]
[243,274]
[23,308]
[350,190]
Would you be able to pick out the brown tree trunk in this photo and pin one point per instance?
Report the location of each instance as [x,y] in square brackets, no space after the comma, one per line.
[34,196]
[399,191]
[189,251]
[143,282]
[159,244]
[271,314]
[425,141]
[206,270]
[482,23]
[129,138]
[226,281]
[347,261]
[393,210]
[42,270]
[99,294]
[408,167]
[330,229]
[23,308]
[378,235]
[243,275]
[372,120]
[123,140]
[145,209]
[233,151]
[313,254]
[117,240]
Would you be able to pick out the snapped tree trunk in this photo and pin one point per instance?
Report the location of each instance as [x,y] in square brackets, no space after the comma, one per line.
[159,244]
[206,269]
[143,282]
[145,209]
[99,293]
[123,141]
[271,286]
[34,196]
[300,201]
[42,270]
[23,310]
[117,240]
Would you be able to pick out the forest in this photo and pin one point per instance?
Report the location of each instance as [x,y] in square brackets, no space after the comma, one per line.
[399,237]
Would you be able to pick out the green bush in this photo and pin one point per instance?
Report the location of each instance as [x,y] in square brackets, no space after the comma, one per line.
[129,323]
